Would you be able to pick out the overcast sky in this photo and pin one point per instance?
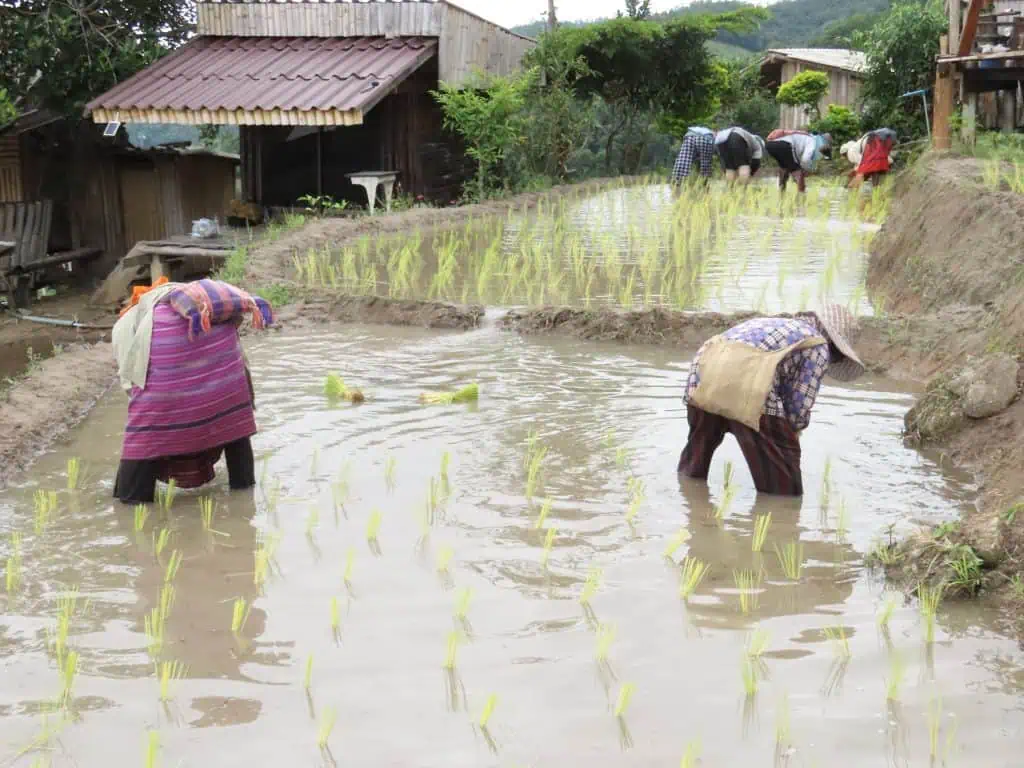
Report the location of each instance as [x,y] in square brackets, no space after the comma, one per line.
[509,13]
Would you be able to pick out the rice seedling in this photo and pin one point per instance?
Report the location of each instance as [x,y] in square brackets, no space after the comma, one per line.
[239,615]
[373,526]
[169,672]
[468,394]
[141,516]
[842,520]
[160,541]
[549,541]
[624,699]
[307,678]
[729,475]
[637,496]
[757,643]
[152,753]
[446,487]
[840,642]
[691,574]
[335,617]
[894,680]
[783,730]
[326,727]
[173,564]
[930,598]
[12,575]
[451,655]
[605,638]
[590,587]
[335,389]
[312,521]
[350,564]
[748,674]
[885,614]
[165,496]
[444,559]
[691,755]
[44,506]
[934,725]
[791,559]
[609,439]
[761,526]
[390,467]
[462,603]
[68,671]
[622,457]
[533,471]
[74,473]
[722,508]
[749,584]
[678,540]
[545,510]
[489,706]
[826,485]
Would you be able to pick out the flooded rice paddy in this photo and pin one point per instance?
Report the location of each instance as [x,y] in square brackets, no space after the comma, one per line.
[629,246]
[466,609]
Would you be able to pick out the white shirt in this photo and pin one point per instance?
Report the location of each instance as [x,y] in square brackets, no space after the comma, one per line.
[755,143]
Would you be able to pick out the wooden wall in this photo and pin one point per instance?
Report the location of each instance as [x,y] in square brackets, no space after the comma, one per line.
[844,90]
[10,170]
[467,42]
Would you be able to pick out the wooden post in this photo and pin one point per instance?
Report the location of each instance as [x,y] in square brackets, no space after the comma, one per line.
[954,25]
[319,161]
[552,16]
[1008,111]
[969,126]
[970,27]
[942,103]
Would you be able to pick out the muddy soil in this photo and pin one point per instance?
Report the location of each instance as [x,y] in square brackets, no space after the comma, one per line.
[50,398]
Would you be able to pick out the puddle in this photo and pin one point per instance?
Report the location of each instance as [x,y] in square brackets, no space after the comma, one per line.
[527,638]
[724,251]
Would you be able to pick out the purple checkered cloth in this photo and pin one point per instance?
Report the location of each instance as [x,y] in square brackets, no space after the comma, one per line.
[798,377]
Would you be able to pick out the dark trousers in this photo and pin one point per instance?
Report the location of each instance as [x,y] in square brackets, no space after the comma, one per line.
[773,454]
[136,479]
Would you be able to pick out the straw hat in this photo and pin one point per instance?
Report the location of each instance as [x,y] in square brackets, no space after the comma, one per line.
[841,326]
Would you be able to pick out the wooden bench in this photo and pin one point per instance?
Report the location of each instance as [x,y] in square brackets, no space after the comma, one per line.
[26,228]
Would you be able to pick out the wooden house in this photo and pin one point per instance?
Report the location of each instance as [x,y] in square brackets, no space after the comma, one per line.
[844,68]
[323,89]
[106,194]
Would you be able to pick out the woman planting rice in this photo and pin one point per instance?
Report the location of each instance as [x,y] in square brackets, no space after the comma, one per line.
[180,359]
[697,150]
[797,155]
[740,153]
[759,381]
[871,156]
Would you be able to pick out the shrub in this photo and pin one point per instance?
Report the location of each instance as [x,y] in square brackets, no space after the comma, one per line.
[805,90]
[840,122]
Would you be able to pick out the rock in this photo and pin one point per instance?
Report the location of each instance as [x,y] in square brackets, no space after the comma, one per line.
[937,412]
[987,386]
[984,534]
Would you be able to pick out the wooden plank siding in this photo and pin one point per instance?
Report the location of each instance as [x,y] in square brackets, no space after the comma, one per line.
[844,90]
[10,170]
[466,41]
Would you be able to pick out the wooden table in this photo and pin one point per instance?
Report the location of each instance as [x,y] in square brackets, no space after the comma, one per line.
[370,180]
[164,257]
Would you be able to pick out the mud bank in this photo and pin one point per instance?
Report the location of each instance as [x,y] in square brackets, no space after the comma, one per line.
[52,396]
[321,307]
[949,259]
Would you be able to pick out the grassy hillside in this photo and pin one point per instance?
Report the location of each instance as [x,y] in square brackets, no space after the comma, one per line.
[794,23]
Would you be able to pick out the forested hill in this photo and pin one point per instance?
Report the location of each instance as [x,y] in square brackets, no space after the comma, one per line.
[794,23]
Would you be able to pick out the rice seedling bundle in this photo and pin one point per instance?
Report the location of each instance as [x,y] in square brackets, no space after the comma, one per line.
[326,727]
[624,699]
[549,541]
[452,652]
[74,473]
[335,388]
[239,615]
[757,643]
[444,559]
[605,638]
[691,574]
[165,496]
[840,642]
[894,680]
[373,526]
[545,510]
[748,583]
[462,603]
[885,614]
[169,672]
[590,587]
[761,526]
[152,753]
[307,678]
[676,542]
[468,394]
[930,598]
[173,564]
[691,755]
[141,515]
[748,674]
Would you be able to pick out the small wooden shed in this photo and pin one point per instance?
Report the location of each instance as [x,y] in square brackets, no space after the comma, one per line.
[323,89]
[105,193]
[845,69]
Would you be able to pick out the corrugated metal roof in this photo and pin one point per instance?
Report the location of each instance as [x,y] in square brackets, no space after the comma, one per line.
[836,58]
[272,75]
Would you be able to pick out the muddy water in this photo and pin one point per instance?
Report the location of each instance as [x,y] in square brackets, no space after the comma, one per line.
[527,638]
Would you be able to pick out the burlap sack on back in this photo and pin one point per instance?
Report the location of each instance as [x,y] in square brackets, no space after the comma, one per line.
[735,378]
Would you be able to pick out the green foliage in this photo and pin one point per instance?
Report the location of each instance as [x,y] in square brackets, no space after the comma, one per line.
[278,294]
[490,117]
[840,122]
[901,51]
[7,109]
[742,100]
[804,90]
[847,32]
[61,54]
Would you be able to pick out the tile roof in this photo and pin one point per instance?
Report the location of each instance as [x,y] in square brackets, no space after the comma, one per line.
[266,80]
[836,58]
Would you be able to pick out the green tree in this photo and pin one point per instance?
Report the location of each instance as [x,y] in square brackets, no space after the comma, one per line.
[489,115]
[847,32]
[638,9]
[901,51]
[7,109]
[61,54]
[804,90]
[840,122]
[743,101]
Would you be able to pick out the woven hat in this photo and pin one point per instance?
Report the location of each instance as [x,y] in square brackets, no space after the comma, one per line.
[841,326]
